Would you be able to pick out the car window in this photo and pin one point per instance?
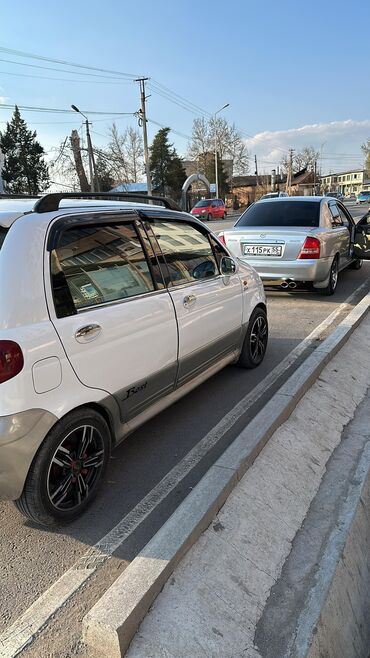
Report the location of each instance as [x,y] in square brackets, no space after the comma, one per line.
[190,260]
[3,232]
[100,264]
[344,218]
[336,218]
[282,213]
[218,250]
[203,204]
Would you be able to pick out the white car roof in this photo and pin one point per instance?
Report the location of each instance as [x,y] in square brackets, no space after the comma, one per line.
[12,209]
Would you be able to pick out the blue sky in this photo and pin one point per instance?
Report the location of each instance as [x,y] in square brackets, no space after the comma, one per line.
[293,73]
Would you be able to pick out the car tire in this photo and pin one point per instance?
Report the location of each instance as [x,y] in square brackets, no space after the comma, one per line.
[255,341]
[209,217]
[356,264]
[333,280]
[66,473]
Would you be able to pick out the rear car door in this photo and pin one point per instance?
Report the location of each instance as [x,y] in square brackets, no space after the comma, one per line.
[342,232]
[208,305]
[112,312]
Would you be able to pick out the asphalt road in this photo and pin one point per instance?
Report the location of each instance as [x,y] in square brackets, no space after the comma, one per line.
[138,488]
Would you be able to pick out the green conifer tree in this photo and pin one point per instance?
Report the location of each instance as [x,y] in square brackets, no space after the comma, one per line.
[25,170]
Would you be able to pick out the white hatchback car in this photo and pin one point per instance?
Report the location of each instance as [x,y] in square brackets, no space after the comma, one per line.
[109,312]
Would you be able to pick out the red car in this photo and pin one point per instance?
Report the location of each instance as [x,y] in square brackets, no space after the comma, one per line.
[209,209]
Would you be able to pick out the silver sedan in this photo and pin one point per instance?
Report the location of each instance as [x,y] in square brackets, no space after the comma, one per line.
[295,240]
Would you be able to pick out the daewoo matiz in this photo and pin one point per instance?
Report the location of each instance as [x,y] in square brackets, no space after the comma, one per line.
[109,312]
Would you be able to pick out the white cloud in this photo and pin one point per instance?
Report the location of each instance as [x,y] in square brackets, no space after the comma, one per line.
[340,142]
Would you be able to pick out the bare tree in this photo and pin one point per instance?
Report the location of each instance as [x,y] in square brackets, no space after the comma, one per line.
[125,153]
[230,144]
[80,170]
[303,159]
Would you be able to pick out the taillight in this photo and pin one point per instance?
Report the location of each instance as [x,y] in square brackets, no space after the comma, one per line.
[310,249]
[11,360]
[222,239]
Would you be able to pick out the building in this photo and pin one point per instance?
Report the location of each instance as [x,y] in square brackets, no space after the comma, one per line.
[346,182]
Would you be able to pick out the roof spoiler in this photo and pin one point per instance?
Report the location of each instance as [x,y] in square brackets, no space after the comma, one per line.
[50,202]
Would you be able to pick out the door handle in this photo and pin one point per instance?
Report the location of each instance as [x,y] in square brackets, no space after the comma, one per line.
[87,333]
[189,300]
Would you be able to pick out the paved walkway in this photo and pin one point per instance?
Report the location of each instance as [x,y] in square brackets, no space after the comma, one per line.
[216,601]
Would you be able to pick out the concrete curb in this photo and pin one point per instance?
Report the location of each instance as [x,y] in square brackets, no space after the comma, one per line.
[335,621]
[111,624]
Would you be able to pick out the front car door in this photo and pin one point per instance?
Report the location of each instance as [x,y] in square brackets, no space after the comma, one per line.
[361,239]
[113,314]
[208,305]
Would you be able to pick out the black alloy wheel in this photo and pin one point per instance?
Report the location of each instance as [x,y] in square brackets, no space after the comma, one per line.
[68,469]
[255,341]
[75,468]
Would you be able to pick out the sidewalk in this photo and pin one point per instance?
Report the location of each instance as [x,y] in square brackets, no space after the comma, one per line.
[268,578]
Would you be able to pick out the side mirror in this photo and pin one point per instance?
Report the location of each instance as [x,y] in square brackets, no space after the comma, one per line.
[228,266]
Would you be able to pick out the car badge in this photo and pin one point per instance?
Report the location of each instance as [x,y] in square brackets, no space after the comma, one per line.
[262,235]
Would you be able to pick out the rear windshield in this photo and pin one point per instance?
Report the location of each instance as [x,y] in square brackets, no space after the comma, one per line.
[282,213]
[3,232]
[203,204]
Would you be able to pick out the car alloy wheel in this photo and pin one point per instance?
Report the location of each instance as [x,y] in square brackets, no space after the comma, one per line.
[75,468]
[334,274]
[258,339]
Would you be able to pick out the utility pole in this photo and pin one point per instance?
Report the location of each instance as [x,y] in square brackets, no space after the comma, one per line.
[92,165]
[216,158]
[314,177]
[94,181]
[256,169]
[290,172]
[143,121]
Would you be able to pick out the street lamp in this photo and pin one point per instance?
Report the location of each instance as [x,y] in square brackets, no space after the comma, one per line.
[94,182]
[216,162]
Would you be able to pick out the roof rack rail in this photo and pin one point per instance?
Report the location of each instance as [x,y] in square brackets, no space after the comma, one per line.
[4,195]
[50,202]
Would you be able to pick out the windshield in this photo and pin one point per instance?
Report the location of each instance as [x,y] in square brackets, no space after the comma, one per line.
[364,193]
[3,232]
[270,196]
[282,213]
[203,204]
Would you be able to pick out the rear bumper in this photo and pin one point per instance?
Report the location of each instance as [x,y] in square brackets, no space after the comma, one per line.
[20,437]
[296,270]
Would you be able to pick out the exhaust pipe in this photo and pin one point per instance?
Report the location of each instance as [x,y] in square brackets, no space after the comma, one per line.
[292,284]
[284,285]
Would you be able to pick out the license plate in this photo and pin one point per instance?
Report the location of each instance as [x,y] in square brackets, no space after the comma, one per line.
[262,250]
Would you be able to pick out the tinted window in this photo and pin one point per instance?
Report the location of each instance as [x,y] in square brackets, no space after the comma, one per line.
[336,218]
[3,232]
[101,264]
[282,213]
[203,204]
[191,258]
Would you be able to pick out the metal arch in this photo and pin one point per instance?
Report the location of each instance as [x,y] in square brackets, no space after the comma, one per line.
[191,179]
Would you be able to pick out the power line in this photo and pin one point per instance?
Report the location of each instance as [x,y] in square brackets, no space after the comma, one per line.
[52,110]
[52,68]
[20,53]
[44,77]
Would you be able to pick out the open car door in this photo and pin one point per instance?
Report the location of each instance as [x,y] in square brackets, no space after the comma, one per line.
[361,238]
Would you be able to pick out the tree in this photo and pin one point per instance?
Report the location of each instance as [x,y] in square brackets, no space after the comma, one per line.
[166,169]
[303,159]
[24,170]
[230,144]
[103,172]
[223,186]
[126,154]
[365,148]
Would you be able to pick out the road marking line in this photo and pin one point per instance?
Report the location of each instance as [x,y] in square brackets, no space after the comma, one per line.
[22,632]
